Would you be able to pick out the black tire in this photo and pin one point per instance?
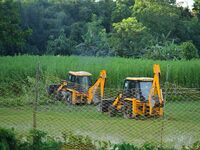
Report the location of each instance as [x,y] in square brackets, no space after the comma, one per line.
[112,111]
[127,110]
[59,96]
[51,89]
[68,98]
[105,104]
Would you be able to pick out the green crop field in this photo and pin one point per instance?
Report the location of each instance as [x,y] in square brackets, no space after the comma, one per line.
[16,69]
[17,81]
[18,73]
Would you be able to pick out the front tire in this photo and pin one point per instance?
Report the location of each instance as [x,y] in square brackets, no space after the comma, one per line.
[68,98]
[127,110]
[112,111]
[51,89]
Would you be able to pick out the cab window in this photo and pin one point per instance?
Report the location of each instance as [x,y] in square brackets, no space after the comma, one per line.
[72,78]
[131,89]
[145,89]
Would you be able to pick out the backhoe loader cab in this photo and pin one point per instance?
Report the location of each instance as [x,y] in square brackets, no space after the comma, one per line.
[137,87]
[81,79]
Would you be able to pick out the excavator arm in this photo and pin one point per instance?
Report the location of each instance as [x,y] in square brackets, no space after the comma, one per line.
[155,92]
[100,82]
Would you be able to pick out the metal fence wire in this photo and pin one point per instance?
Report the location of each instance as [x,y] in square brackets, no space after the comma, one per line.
[180,124]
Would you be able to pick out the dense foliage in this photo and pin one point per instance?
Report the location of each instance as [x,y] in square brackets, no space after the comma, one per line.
[129,28]
[39,140]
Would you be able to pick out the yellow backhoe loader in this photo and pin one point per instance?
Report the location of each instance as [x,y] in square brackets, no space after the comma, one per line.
[78,89]
[141,96]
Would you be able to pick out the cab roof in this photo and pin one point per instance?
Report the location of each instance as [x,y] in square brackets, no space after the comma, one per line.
[80,73]
[139,78]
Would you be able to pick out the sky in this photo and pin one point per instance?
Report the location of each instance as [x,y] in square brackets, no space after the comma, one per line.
[186,3]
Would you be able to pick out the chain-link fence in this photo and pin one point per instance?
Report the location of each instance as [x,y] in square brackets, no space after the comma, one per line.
[35,108]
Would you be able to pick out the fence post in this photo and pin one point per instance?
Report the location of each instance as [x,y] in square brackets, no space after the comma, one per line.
[165,97]
[36,96]
[166,89]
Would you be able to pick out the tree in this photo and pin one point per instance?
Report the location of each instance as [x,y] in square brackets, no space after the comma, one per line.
[130,37]
[103,10]
[122,10]
[76,31]
[45,19]
[158,15]
[95,40]
[196,8]
[12,36]
[60,45]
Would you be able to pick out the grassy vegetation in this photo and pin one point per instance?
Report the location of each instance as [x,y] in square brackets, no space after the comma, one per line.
[17,81]
[39,140]
[16,69]
[178,128]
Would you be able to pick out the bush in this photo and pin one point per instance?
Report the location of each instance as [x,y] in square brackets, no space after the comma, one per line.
[166,51]
[7,139]
[146,146]
[38,140]
[195,146]
[72,142]
[171,51]
[189,51]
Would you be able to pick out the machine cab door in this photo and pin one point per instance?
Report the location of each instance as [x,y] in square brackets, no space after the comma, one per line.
[71,80]
[145,88]
[137,89]
[84,82]
[79,83]
[131,89]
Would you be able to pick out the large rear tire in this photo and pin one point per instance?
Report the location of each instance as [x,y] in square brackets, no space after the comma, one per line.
[51,89]
[68,98]
[105,104]
[112,111]
[127,110]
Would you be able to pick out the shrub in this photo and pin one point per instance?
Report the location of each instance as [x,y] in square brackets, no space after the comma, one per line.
[171,51]
[7,139]
[146,146]
[38,140]
[77,142]
[167,51]
[195,146]
[189,51]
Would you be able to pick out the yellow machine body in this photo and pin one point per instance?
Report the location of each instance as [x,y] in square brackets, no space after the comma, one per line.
[133,107]
[78,97]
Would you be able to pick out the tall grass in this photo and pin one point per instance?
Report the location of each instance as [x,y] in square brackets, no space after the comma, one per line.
[18,68]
